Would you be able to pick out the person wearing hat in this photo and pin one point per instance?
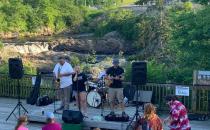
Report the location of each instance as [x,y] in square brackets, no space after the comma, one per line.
[115,75]
[51,123]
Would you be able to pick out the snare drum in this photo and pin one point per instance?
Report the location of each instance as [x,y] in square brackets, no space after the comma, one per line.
[91,86]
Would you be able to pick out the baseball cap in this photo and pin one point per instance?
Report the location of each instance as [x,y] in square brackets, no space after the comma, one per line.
[50,115]
[115,61]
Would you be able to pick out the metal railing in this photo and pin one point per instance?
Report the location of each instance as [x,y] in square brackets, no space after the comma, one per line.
[196,102]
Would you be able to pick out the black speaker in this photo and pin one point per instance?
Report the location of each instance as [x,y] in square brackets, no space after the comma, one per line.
[139,73]
[74,117]
[15,68]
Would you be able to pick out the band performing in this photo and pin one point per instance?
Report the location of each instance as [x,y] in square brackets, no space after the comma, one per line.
[74,81]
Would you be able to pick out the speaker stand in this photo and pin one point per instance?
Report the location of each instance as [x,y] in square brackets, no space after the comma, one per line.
[136,115]
[19,104]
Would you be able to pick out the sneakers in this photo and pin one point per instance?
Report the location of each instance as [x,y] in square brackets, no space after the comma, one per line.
[111,113]
[85,115]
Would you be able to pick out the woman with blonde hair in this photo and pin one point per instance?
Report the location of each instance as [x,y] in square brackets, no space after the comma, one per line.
[150,121]
[79,89]
[22,121]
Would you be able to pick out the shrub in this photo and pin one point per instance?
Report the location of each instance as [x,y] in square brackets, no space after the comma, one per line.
[74,61]
[1,45]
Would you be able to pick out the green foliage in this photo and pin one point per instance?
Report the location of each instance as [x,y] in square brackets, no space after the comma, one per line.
[185,36]
[1,45]
[188,46]
[128,71]
[203,2]
[102,2]
[188,6]
[75,61]
[156,72]
[30,15]
[190,41]
[91,58]
[57,15]
[123,21]
[28,67]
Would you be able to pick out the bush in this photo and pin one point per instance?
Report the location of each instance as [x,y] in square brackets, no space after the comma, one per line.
[27,65]
[1,45]
[122,21]
[22,16]
[128,72]
[74,61]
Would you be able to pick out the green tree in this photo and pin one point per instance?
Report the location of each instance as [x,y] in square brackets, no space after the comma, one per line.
[203,2]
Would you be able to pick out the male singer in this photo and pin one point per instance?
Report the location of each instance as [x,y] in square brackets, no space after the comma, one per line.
[63,74]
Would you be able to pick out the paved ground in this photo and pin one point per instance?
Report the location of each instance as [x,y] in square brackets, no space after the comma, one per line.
[6,106]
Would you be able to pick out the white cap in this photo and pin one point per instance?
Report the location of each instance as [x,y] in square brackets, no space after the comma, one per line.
[50,115]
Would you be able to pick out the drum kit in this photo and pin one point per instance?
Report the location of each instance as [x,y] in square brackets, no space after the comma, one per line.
[96,93]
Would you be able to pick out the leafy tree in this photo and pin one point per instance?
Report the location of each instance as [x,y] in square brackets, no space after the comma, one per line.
[203,2]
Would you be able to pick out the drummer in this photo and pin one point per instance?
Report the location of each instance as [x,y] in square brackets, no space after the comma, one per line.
[79,89]
[101,77]
[102,74]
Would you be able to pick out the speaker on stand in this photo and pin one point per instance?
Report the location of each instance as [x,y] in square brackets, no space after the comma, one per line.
[138,77]
[16,72]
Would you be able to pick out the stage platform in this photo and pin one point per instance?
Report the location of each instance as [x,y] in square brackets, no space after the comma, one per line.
[94,118]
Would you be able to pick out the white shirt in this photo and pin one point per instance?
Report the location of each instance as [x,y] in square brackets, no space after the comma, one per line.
[65,81]
[101,74]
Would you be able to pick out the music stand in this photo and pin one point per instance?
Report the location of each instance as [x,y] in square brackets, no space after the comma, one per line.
[19,104]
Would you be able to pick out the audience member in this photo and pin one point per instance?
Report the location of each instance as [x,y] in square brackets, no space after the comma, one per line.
[22,122]
[51,123]
[178,119]
[150,120]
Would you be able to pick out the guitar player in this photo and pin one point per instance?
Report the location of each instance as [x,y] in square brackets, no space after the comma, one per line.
[115,75]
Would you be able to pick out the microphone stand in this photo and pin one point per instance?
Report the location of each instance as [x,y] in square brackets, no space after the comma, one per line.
[102,99]
[78,97]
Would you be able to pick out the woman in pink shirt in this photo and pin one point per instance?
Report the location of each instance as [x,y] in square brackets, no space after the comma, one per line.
[51,123]
[22,121]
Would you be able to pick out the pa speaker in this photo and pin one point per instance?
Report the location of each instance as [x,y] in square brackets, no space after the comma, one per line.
[15,68]
[139,73]
[74,117]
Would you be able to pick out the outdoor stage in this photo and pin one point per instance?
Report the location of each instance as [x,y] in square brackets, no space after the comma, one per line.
[94,117]
[7,104]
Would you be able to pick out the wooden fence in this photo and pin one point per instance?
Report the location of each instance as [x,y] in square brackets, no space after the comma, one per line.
[197,102]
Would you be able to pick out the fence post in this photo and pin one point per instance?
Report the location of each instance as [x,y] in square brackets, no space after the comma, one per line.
[194,98]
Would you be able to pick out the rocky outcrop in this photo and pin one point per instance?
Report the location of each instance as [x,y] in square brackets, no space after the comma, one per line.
[111,43]
[32,48]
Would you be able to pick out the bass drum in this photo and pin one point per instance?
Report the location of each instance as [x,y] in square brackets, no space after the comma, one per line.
[94,99]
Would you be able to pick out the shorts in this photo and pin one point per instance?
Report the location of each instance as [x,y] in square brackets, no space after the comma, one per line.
[75,92]
[114,93]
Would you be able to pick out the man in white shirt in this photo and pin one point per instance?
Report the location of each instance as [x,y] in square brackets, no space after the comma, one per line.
[63,74]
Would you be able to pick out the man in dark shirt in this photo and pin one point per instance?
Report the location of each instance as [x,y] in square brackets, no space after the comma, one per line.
[115,75]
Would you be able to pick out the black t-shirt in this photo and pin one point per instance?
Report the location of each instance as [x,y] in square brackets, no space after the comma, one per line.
[80,83]
[113,72]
